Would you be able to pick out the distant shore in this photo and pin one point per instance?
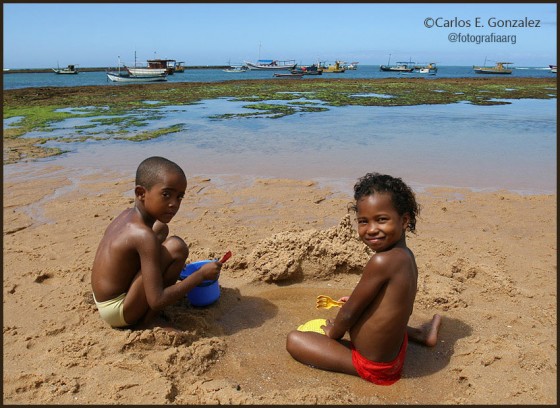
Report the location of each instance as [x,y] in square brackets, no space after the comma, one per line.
[95,69]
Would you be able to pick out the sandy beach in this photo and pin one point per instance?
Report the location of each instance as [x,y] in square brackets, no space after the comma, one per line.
[487,264]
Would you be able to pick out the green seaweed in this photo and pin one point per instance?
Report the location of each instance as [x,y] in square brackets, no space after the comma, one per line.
[125,107]
[153,134]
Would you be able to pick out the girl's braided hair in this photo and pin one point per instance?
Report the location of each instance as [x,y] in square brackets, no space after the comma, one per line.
[402,196]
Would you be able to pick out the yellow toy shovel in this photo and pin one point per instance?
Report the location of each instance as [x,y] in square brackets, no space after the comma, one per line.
[325,302]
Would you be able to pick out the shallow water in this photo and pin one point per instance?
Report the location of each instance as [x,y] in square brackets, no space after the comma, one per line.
[457,145]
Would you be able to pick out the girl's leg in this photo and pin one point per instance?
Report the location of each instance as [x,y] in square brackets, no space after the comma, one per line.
[320,351]
[427,334]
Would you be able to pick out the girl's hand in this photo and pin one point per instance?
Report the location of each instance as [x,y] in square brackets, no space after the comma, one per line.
[328,327]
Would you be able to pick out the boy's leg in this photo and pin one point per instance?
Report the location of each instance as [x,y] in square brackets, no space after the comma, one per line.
[320,351]
[161,230]
[174,253]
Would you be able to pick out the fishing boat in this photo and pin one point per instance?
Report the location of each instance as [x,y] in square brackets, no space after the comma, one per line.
[179,67]
[127,77]
[70,69]
[429,69]
[399,67]
[236,69]
[154,67]
[307,70]
[276,65]
[499,68]
[335,68]
[552,69]
[351,67]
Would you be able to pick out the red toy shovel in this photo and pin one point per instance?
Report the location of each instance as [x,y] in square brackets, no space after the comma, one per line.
[226,256]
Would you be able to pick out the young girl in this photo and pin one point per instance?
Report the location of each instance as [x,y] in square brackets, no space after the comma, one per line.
[376,313]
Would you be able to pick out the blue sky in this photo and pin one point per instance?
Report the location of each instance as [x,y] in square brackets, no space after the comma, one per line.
[40,35]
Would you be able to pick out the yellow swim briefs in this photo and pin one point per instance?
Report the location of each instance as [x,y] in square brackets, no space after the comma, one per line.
[112,311]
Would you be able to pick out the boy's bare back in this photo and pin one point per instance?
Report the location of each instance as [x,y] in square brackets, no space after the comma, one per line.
[117,260]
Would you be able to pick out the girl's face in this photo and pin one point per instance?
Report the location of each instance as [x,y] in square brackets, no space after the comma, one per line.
[380,227]
[163,200]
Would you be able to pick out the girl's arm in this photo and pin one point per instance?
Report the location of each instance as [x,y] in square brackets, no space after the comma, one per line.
[375,276]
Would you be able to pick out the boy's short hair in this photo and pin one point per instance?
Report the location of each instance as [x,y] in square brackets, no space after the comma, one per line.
[150,171]
[402,195]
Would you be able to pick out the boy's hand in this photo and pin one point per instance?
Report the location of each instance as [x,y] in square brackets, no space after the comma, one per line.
[344,298]
[211,270]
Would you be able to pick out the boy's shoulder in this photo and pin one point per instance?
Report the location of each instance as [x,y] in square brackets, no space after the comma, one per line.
[130,223]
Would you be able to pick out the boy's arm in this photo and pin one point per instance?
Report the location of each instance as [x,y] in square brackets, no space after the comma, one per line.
[157,295]
[377,273]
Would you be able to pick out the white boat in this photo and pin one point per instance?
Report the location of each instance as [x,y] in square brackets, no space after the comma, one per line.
[553,69]
[236,69]
[351,67]
[70,69]
[145,72]
[277,65]
[126,77]
[154,67]
[429,69]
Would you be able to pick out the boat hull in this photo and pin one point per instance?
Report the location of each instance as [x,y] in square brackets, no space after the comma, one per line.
[492,71]
[64,72]
[395,69]
[115,77]
[236,69]
[146,72]
[272,66]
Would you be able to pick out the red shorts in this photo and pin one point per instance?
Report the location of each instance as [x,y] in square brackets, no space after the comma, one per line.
[380,373]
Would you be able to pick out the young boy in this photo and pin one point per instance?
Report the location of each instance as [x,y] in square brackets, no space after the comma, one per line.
[376,313]
[136,267]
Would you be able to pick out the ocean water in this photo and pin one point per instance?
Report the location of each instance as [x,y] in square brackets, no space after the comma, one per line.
[483,148]
[13,81]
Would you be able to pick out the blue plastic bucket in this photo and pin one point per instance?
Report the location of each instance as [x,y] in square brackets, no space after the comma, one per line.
[207,292]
